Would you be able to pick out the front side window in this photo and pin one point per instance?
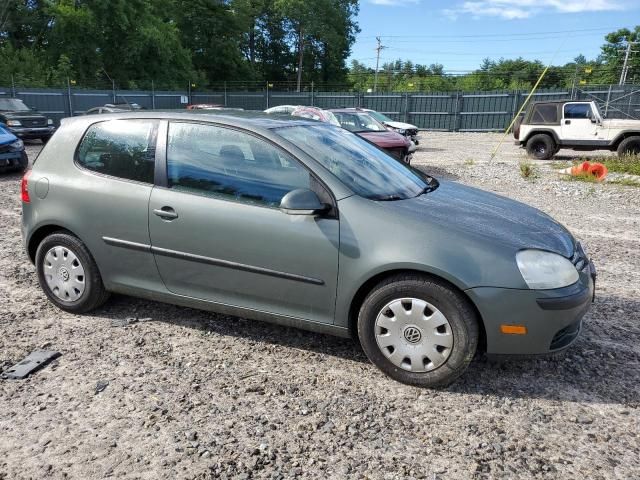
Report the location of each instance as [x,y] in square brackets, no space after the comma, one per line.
[362,167]
[230,165]
[120,148]
[577,110]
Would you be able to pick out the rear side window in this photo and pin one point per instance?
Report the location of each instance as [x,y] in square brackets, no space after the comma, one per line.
[545,114]
[120,148]
[577,110]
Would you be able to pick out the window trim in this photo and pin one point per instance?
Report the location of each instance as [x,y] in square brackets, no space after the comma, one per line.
[162,180]
[564,107]
[154,141]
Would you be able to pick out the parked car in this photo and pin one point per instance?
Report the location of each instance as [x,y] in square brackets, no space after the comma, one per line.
[12,153]
[252,215]
[282,109]
[406,129]
[363,124]
[204,106]
[546,127]
[315,113]
[25,122]
[114,108]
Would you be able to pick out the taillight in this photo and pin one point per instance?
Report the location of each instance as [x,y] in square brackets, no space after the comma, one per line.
[25,187]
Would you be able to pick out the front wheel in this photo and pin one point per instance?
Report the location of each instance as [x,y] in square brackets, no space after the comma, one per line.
[68,274]
[45,139]
[541,147]
[418,330]
[629,146]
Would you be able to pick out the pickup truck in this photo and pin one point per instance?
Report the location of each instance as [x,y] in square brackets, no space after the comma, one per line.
[546,127]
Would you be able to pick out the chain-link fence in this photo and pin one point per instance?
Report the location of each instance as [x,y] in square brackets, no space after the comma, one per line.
[446,111]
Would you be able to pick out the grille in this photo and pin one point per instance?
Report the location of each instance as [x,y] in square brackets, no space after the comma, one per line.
[4,148]
[579,258]
[33,122]
[565,336]
[412,131]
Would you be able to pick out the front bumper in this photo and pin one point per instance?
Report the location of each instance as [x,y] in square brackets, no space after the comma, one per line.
[553,318]
[13,161]
[32,132]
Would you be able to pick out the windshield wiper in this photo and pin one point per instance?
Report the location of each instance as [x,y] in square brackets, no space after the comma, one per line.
[388,198]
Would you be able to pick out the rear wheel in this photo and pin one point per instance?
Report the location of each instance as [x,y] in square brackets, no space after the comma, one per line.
[68,274]
[629,146]
[541,147]
[418,330]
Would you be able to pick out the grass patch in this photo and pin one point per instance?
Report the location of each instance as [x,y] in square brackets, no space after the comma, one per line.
[469,162]
[627,182]
[583,177]
[625,164]
[560,165]
[528,171]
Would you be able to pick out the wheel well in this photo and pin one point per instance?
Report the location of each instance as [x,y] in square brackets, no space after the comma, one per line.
[40,235]
[624,136]
[541,132]
[366,288]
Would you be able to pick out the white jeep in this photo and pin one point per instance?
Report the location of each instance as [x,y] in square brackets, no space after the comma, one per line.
[546,127]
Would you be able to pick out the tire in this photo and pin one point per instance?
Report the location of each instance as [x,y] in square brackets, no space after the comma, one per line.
[451,346]
[72,296]
[541,147]
[45,139]
[629,146]
[24,162]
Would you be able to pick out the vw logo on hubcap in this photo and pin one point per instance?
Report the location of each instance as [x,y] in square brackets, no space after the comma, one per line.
[412,334]
[63,273]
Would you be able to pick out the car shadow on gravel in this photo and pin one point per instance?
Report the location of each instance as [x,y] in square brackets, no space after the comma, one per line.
[589,372]
[437,172]
[121,307]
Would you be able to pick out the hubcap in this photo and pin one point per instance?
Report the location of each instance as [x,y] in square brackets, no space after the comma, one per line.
[64,274]
[413,334]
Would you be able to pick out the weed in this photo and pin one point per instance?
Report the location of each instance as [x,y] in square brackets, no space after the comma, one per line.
[469,162]
[528,171]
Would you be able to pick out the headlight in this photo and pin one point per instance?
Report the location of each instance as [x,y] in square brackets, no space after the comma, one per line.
[16,146]
[401,131]
[13,123]
[545,270]
[49,121]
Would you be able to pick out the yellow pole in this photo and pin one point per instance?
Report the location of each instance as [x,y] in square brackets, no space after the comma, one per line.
[506,132]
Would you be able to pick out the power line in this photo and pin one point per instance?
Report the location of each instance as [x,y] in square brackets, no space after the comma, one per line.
[499,35]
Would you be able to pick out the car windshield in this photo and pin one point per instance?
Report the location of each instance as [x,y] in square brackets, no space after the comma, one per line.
[359,122]
[380,117]
[13,105]
[365,169]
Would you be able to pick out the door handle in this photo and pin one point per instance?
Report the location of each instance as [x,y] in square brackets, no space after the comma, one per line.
[567,122]
[166,213]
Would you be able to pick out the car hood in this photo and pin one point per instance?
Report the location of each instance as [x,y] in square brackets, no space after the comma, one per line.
[404,126]
[6,137]
[25,114]
[621,123]
[475,213]
[386,139]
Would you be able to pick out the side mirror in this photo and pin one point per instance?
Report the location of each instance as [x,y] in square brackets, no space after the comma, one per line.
[302,202]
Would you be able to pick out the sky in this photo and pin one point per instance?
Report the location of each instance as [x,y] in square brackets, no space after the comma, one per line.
[459,34]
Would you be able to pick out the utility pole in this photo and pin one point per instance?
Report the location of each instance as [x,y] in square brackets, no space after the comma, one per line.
[625,66]
[378,49]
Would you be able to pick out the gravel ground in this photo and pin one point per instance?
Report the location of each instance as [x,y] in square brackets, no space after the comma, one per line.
[198,395]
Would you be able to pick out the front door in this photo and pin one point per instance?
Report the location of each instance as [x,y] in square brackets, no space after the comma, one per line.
[217,233]
[578,122]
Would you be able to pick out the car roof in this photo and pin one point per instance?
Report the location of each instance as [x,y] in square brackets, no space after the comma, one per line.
[347,110]
[252,119]
[560,101]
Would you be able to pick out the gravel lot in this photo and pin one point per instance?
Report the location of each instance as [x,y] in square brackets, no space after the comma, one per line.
[197,395]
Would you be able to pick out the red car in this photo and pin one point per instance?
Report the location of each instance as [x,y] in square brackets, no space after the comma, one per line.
[363,124]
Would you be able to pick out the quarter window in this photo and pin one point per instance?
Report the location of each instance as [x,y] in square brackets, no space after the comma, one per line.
[577,110]
[545,114]
[231,165]
[120,148]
